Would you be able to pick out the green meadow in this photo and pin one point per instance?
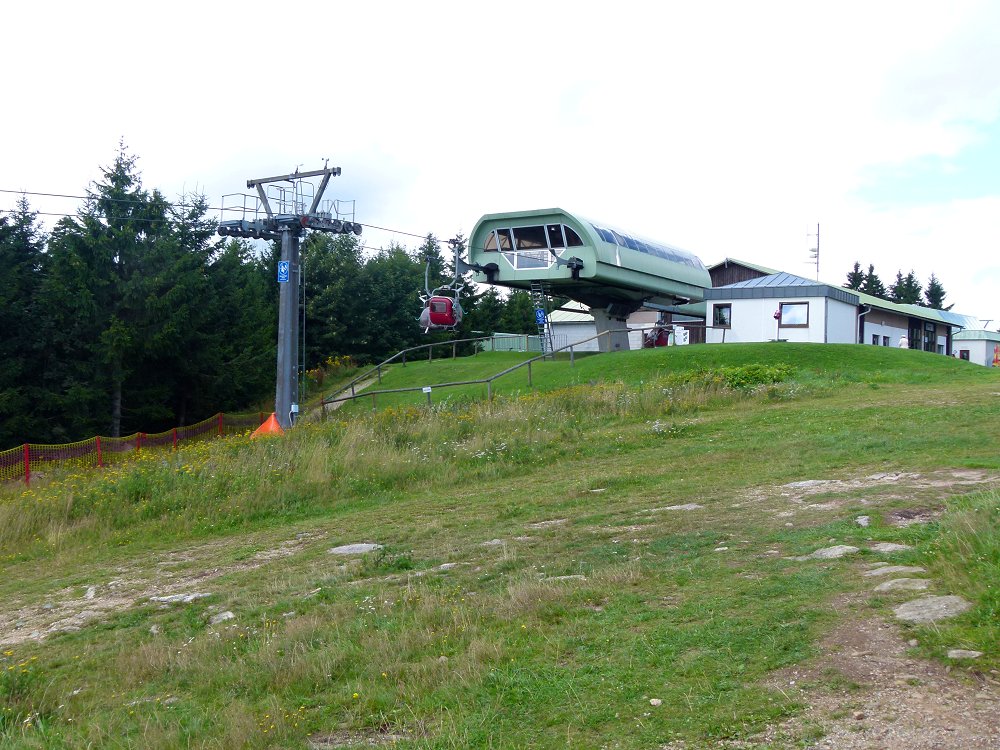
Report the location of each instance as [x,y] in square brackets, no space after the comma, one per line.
[601,557]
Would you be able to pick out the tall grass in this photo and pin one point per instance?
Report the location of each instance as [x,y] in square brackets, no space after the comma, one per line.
[499,649]
[209,487]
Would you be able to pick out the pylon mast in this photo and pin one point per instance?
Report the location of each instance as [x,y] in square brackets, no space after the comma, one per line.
[287,222]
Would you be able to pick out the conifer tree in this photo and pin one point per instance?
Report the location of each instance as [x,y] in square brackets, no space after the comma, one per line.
[856,277]
[873,284]
[934,294]
[905,290]
[21,254]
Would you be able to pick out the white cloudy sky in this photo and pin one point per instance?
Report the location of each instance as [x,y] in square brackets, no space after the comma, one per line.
[726,128]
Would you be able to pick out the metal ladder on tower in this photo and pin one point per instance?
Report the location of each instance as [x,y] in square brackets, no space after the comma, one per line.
[540,301]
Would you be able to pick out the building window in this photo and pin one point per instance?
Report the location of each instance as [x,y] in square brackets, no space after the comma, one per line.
[963,354]
[875,339]
[531,247]
[885,341]
[794,315]
[722,316]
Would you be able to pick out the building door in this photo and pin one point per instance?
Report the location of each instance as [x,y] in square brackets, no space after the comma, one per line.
[930,337]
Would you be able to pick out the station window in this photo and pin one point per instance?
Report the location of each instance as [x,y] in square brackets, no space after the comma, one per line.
[722,316]
[649,248]
[530,238]
[531,247]
[794,315]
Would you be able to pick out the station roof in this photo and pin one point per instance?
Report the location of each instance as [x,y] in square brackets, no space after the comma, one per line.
[780,285]
[725,262]
[978,334]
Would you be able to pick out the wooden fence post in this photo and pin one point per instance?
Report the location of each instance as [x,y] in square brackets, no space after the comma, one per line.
[27,465]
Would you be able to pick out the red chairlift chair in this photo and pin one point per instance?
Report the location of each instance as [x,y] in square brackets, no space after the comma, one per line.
[441,312]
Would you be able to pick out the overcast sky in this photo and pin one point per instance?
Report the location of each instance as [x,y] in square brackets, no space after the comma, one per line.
[726,128]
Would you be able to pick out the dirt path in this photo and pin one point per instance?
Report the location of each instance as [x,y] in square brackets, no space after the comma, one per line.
[184,571]
[865,692]
[324,409]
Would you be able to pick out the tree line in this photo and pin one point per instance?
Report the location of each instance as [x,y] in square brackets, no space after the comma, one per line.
[906,290]
[133,315]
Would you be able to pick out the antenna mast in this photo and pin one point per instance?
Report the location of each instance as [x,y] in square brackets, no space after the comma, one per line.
[814,251]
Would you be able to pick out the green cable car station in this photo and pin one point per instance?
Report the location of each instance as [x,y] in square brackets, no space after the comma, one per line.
[612,271]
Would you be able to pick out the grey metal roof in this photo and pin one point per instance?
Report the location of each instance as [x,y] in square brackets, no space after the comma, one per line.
[785,285]
[977,335]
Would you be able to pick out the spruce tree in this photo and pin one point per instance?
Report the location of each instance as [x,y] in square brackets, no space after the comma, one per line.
[873,284]
[905,290]
[21,254]
[934,294]
[856,277]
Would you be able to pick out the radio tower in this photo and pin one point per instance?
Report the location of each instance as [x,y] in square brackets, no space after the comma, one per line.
[814,251]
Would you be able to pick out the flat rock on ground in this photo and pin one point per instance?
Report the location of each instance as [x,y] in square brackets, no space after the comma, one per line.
[893,569]
[829,553]
[685,506]
[931,609]
[355,549]
[890,547]
[961,653]
[903,584]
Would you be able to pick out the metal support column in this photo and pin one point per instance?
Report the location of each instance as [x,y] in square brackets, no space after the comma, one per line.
[286,398]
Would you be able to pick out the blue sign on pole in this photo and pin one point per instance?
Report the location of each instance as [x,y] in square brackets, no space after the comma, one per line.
[282,271]
[539,316]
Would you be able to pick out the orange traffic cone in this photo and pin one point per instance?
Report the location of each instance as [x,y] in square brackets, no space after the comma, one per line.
[270,427]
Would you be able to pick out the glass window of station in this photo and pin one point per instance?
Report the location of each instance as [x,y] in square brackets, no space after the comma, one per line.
[613,237]
[531,247]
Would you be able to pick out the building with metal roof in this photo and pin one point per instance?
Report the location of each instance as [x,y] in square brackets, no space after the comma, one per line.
[781,307]
[978,346]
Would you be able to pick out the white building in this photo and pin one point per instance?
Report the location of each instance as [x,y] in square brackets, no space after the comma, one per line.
[978,346]
[781,307]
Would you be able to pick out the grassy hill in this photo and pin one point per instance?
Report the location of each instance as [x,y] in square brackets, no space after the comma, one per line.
[600,560]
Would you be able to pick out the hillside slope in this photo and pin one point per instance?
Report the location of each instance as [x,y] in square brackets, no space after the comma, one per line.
[620,558]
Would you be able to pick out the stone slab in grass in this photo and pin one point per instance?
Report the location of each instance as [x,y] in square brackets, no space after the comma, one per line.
[893,569]
[961,653]
[685,506]
[179,598]
[903,584]
[931,609]
[890,547]
[355,549]
[829,553]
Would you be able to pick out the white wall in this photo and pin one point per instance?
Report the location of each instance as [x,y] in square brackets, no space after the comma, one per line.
[753,321]
[568,333]
[842,321]
[888,324]
[980,352]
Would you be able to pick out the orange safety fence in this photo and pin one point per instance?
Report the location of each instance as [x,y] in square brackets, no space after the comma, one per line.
[18,463]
